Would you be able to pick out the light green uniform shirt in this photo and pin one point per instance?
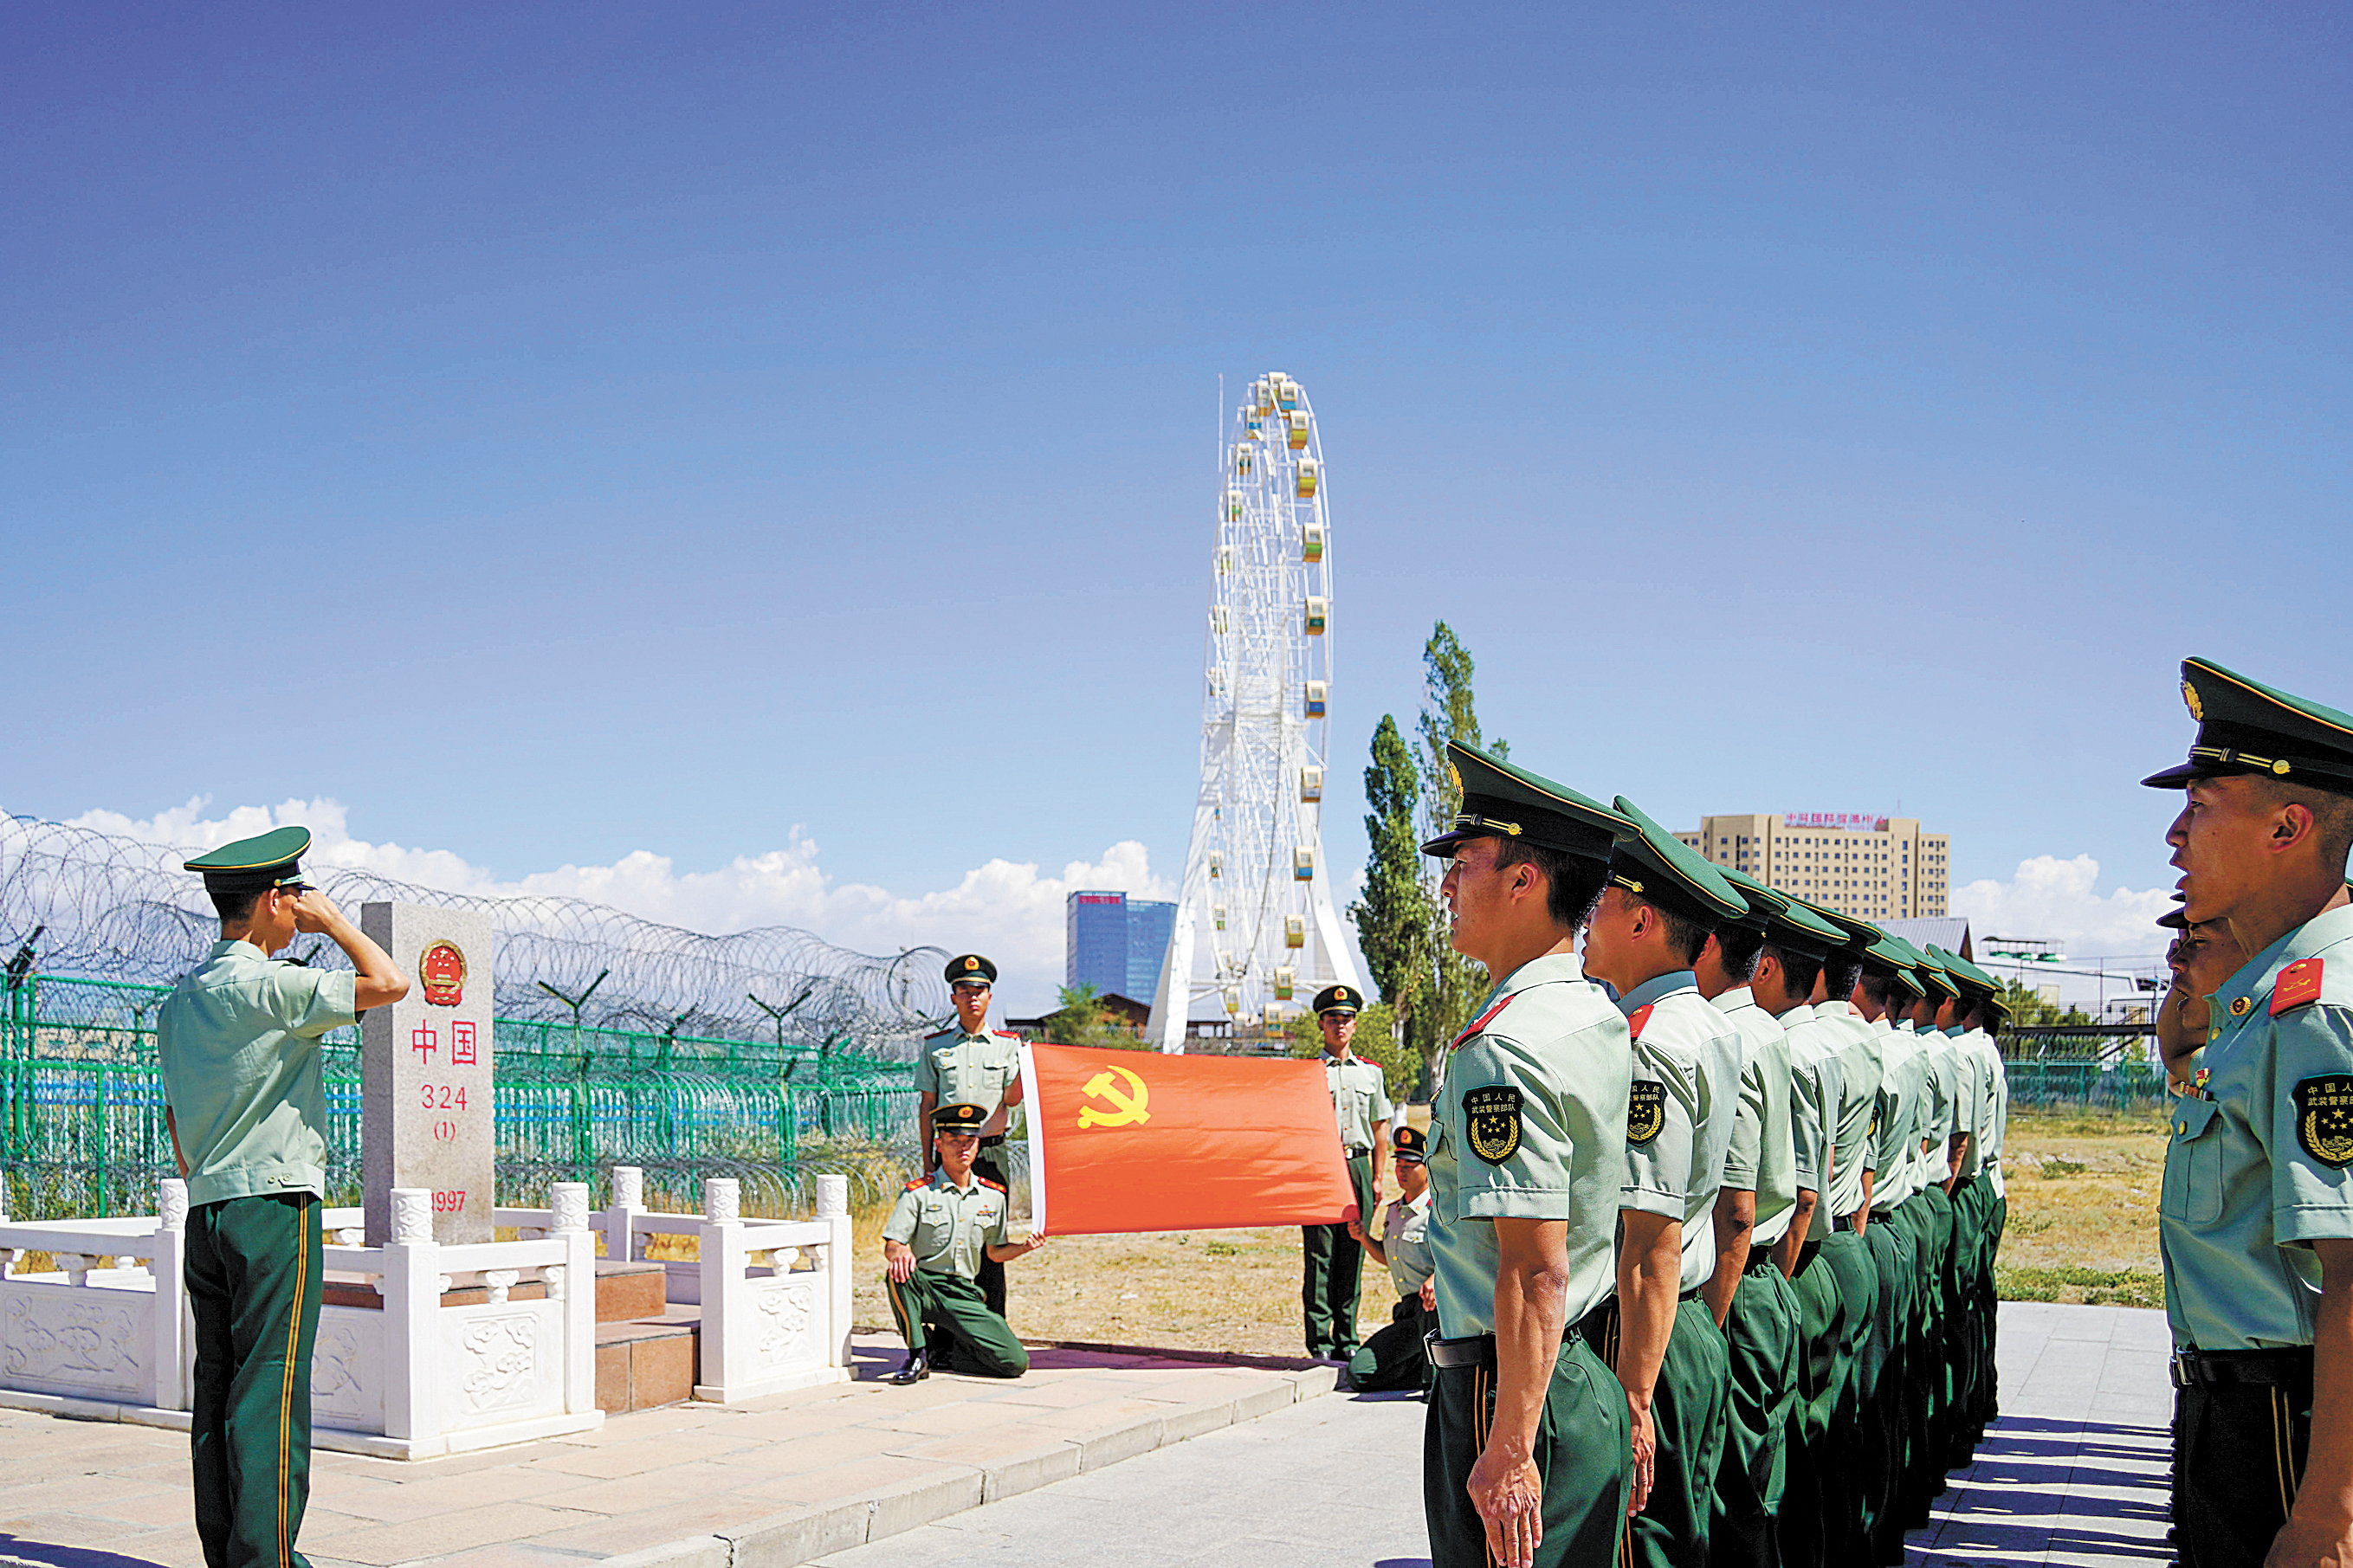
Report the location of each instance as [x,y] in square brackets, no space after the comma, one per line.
[1897,1143]
[1529,1122]
[1687,1059]
[1360,1097]
[946,1226]
[971,1069]
[1859,1074]
[1405,1242]
[1764,1157]
[1936,1122]
[2001,1103]
[239,1037]
[2258,1171]
[1817,1088]
[1969,1092]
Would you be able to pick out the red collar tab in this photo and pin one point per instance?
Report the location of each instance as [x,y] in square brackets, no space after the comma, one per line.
[2298,983]
[1480,1022]
[1638,1017]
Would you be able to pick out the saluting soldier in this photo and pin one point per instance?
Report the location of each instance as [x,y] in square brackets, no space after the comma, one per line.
[1332,1261]
[2256,1218]
[969,1063]
[1648,931]
[238,1040]
[940,1232]
[1393,1357]
[1750,1297]
[1524,1457]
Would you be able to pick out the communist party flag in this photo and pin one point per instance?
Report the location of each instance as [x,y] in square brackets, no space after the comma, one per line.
[1130,1141]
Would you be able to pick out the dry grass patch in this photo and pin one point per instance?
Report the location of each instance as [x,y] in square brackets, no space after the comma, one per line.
[2083,1209]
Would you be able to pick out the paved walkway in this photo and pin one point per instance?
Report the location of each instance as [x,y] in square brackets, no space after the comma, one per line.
[779,1481]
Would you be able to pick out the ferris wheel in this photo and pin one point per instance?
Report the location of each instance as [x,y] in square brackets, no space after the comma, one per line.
[1256,935]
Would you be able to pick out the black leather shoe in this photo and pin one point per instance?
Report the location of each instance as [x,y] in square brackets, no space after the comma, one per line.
[918,1367]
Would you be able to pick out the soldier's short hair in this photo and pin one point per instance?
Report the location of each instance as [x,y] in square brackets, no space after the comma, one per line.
[1573,883]
[1800,970]
[1843,968]
[1738,946]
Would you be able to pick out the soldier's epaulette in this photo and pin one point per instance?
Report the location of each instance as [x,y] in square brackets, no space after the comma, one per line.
[2297,984]
[939,1034]
[1636,1018]
[1009,1033]
[917,1187]
[1480,1022]
[994,1186]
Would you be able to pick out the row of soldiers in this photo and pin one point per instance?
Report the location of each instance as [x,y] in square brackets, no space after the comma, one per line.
[1714,1191]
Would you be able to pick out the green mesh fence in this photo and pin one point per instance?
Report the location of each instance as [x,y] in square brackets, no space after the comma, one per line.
[82,1129]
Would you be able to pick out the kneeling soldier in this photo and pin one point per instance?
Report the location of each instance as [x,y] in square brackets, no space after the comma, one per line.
[934,1242]
[1394,1358]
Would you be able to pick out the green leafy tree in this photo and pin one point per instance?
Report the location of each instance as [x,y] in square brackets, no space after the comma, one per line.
[1395,917]
[1376,1041]
[1082,1020]
[1449,713]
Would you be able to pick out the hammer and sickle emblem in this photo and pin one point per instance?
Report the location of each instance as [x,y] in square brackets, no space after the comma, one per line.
[1127,1106]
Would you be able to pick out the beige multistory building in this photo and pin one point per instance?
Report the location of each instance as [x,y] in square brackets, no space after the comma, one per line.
[1877,869]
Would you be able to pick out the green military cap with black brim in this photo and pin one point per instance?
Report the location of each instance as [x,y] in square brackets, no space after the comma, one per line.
[1500,801]
[1857,936]
[272,859]
[1660,869]
[2246,727]
[1934,974]
[970,969]
[1892,955]
[960,1117]
[1789,925]
[1411,1145]
[1338,999]
[1762,900]
[2174,920]
[1962,972]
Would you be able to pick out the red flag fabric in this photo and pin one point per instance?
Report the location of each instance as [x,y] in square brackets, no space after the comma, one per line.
[1137,1140]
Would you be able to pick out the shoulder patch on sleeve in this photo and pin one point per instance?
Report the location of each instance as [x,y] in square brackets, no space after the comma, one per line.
[1492,1120]
[1638,1017]
[1646,1108]
[2324,1118]
[2298,983]
[1480,1022]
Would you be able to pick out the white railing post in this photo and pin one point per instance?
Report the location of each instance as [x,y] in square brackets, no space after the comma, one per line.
[720,1247]
[574,1283]
[168,1388]
[412,1300]
[833,1209]
[628,1203]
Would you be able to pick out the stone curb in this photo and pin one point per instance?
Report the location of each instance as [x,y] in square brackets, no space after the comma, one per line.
[796,1536]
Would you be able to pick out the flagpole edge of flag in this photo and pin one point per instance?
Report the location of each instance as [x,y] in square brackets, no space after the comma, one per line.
[1037,1137]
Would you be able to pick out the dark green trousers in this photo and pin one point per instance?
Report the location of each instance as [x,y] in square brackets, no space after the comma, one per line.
[1800,1520]
[946,1315]
[1394,1360]
[1760,1335]
[1845,1464]
[1581,1449]
[1925,1414]
[1687,1419]
[255,1278]
[990,1163]
[1334,1268]
[1897,1263]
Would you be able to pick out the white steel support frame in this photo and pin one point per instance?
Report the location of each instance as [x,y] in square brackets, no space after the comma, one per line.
[1261,751]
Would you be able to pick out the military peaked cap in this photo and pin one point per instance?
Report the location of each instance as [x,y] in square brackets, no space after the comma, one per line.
[1660,869]
[1929,969]
[272,859]
[2246,727]
[1762,900]
[1858,936]
[1963,972]
[1339,999]
[1787,923]
[1412,1145]
[970,969]
[1500,801]
[959,1119]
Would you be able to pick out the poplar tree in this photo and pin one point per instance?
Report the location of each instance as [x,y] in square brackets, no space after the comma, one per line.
[1449,713]
[1394,916]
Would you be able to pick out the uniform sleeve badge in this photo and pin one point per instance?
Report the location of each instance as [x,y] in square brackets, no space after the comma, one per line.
[2324,1119]
[1646,1110]
[2298,983]
[1493,1117]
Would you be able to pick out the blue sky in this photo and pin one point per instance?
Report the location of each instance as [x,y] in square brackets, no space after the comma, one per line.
[555,435]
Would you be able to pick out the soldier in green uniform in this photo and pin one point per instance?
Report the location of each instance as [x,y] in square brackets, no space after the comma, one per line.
[2256,1216]
[1952,1105]
[933,1246]
[1751,1297]
[971,1064]
[1650,928]
[1331,1263]
[1526,1451]
[238,1039]
[1393,1358]
[1885,998]
[1972,1274]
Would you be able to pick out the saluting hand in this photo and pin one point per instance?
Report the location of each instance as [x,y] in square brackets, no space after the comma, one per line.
[315,911]
[1509,1495]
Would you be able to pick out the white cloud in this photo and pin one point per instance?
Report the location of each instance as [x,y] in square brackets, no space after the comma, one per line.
[2053,897]
[1004,909]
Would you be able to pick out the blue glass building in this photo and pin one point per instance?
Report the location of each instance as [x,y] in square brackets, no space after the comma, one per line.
[1115,943]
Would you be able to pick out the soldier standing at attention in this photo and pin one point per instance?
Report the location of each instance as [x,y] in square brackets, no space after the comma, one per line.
[1885,998]
[1683,1105]
[239,1038]
[1333,1262]
[1394,1358]
[971,1064]
[934,1244]
[2256,1219]
[1524,1454]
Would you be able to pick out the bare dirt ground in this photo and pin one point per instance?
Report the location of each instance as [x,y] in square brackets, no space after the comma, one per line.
[2083,1209]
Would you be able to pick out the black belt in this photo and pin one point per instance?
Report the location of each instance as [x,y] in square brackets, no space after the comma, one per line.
[2290,1368]
[1359,1152]
[1479,1350]
[1759,1257]
[1689,1295]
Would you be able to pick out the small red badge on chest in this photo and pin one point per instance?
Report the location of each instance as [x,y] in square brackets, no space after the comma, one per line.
[2298,983]
[1638,1017]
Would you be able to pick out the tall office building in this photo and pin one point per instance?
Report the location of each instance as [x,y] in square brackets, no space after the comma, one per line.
[1874,867]
[1115,943]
